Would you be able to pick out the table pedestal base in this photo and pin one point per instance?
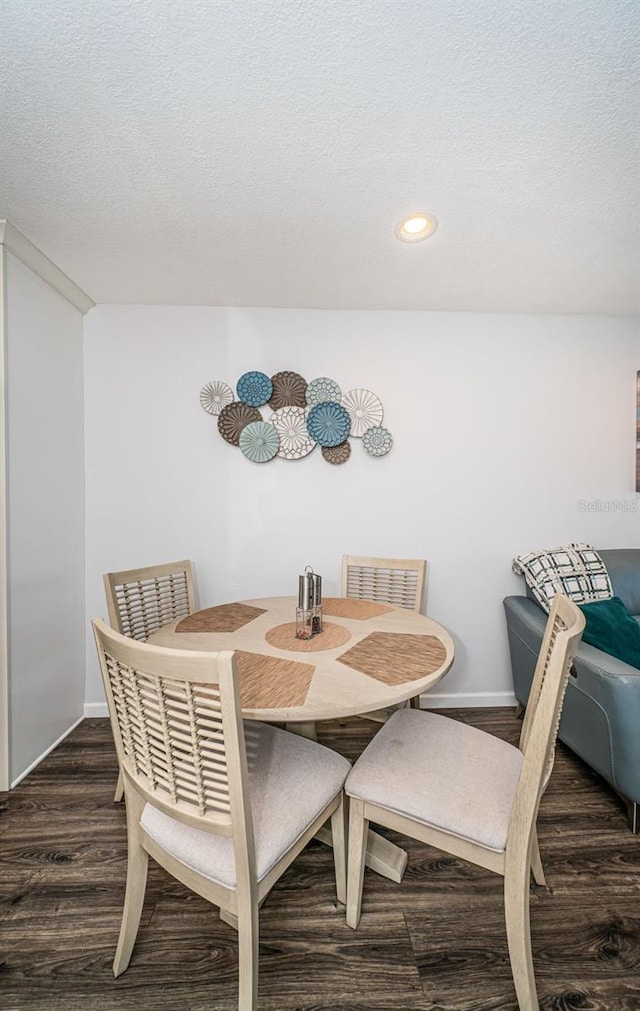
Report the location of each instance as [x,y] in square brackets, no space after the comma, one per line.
[303,730]
[382,856]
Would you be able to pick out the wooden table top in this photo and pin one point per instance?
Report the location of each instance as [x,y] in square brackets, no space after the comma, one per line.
[368,657]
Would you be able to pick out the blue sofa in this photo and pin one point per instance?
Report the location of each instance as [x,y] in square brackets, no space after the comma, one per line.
[601,715]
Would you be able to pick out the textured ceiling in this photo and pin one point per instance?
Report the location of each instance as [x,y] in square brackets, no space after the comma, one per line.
[246,152]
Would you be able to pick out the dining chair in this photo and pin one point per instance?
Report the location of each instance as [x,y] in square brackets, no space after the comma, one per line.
[224,807]
[140,601]
[396,581]
[468,793]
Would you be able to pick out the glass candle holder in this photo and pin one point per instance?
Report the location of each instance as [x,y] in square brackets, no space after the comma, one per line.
[304,622]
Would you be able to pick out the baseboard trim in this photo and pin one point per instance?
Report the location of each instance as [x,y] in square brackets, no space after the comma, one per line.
[95,710]
[44,754]
[466,700]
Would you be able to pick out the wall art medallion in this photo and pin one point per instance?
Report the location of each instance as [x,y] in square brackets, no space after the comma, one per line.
[254,388]
[291,425]
[337,454]
[289,389]
[302,416]
[322,389]
[233,418]
[214,396]
[377,440]
[328,423]
[259,441]
[365,410]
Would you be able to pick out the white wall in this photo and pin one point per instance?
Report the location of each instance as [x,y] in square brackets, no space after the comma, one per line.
[503,425]
[45,504]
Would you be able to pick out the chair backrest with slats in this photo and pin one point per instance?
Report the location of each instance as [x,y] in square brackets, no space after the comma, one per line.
[397,581]
[140,601]
[178,730]
[542,719]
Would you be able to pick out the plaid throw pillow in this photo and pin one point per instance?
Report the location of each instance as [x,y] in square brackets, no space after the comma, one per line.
[573,569]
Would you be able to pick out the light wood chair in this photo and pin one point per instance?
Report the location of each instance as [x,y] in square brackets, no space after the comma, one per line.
[140,601]
[223,807]
[396,581]
[469,793]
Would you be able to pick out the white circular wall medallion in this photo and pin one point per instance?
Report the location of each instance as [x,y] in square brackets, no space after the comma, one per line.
[291,425]
[365,410]
[215,395]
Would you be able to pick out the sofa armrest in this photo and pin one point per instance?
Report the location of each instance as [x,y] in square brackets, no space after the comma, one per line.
[528,620]
[614,687]
[601,717]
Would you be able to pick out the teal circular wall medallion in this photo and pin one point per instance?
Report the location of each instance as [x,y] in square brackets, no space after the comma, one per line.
[377,440]
[323,389]
[259,441]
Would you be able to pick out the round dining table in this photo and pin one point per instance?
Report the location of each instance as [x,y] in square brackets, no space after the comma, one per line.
[368,656]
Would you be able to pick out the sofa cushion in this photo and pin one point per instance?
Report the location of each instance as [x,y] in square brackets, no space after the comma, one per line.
[623,566]
[576,570]
[611,628]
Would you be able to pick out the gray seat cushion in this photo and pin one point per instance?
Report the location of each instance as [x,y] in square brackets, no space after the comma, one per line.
[441,773]
[291,780]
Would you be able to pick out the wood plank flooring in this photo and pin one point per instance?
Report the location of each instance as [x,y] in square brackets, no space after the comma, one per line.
[435,942]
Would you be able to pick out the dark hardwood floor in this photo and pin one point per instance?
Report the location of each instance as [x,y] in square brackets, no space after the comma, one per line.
[436,942]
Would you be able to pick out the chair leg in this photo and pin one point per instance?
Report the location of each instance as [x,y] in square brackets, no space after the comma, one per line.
[536,862]
[248,939]
[519,711]
[338,826]
[137,864]
[119,794]
[516,907]
[358,831]
[415,702]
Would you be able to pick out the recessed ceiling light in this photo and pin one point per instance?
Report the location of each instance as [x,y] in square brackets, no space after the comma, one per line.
[416,227]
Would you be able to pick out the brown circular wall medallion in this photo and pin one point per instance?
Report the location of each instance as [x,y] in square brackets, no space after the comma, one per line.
[289,390]
[233,418]
[337,454]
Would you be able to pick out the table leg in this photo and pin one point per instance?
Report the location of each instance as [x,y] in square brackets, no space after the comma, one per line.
[383,856]
[303,729]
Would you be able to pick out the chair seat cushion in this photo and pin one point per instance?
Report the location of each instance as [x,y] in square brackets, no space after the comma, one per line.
[440,773]
[291,780]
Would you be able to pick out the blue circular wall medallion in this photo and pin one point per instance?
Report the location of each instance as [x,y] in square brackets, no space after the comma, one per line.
[254,388]
[328,423]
